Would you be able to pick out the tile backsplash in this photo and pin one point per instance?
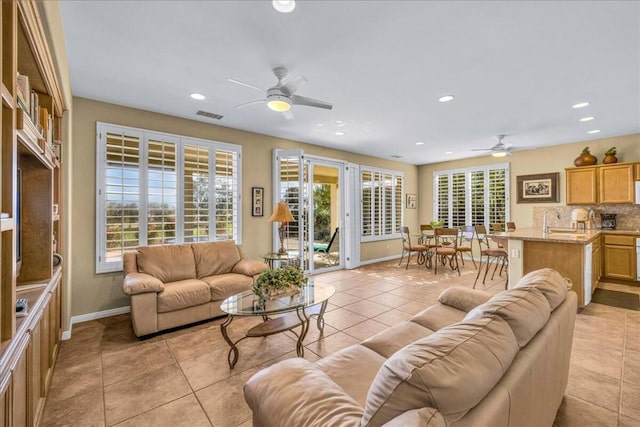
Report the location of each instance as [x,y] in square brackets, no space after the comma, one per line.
[628,215]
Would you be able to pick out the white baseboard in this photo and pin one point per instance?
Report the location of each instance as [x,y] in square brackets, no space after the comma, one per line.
[373,261]
[93,316]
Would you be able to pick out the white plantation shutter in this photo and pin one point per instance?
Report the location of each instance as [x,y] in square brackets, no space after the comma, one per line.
[381,200]
[154,188]
[473,196]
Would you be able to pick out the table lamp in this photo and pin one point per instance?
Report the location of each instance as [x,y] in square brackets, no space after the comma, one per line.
[281,214]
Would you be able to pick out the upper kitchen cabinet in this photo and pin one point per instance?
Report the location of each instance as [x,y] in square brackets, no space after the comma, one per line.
[606,184]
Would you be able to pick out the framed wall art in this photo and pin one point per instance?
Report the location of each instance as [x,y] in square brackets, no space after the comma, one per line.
[257,201]
[540,188]
[412,201]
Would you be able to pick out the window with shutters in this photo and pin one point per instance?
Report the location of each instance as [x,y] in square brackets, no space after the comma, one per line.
[473,196]
[381,203]
[158,189]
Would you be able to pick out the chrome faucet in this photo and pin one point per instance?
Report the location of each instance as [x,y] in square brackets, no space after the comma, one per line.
[545,228]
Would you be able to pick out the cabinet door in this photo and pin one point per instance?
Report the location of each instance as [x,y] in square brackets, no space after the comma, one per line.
[596,266]
[5,400]
[616,184]
[20,396]
[620,262]
[581,186]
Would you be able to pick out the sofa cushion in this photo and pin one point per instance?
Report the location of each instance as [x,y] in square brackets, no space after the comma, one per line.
[553,286]
[169,263]
[397,336]
[353,369]
[438,316]
[182,294]
[526,310]
[224,285]
[215,257]
[424,417]
[451,370]
[462,298]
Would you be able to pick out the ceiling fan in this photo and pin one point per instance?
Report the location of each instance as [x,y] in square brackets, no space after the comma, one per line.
[500,149]
[281,97]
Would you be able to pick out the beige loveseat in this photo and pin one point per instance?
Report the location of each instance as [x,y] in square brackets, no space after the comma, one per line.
[470,360]
[180,284]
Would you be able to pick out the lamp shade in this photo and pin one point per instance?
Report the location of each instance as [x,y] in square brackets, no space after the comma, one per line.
[281,213]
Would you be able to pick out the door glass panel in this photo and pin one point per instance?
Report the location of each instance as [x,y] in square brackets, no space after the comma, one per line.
[326,216]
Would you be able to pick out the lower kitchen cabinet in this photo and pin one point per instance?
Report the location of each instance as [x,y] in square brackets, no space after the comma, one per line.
[619,257]
[596,264]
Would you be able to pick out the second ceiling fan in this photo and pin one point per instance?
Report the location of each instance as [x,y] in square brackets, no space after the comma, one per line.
[281,97]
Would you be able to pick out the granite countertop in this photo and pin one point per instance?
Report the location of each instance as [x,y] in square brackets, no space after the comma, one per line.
[562,235]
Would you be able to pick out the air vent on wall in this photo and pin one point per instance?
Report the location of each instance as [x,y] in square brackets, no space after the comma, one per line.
[209,115]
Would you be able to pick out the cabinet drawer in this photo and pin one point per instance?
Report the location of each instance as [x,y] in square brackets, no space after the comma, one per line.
[614,239]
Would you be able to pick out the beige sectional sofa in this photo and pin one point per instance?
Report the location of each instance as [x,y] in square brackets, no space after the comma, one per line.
[472,359]
[176,285]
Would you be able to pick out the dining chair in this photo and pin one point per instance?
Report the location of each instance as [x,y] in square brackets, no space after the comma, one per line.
[445,249]
[497,228]
[489,254]
[465,243]
[408,247]
[426,234]
[511,226]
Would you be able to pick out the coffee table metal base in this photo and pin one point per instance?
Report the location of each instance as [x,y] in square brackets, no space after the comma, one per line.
[287,322]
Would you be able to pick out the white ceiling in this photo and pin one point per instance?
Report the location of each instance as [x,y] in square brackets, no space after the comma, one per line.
[515,68]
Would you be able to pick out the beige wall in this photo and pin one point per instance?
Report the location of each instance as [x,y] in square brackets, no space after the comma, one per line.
[542,160]
[96,292]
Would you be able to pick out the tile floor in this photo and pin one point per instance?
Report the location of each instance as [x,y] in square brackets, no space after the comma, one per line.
[106,376]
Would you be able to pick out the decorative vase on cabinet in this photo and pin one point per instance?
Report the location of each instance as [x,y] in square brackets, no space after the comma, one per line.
[585,158]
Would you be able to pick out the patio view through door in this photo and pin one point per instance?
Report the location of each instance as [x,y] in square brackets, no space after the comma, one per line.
[312,188]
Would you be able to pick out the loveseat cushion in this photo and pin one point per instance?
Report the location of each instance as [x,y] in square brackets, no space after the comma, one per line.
[168,263]
[438,316]
[183,294]
[224,285]
[451,370]
[215,257]
[462,298]
[424,417]
[553,286]
[526,310]
[395,337]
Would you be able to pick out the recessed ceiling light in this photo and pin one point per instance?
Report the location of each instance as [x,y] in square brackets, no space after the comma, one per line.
[448,152]
[581,104]
[197,96]
[446,98]
[594,131]
[339,133]
[284,6]
[587,119]
[395,156]
[420,143]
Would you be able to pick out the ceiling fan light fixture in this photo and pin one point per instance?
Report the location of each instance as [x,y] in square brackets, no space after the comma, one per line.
[278,103]
[499,154]
[284,6]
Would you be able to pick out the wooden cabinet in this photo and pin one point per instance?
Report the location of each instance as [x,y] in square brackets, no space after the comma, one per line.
[582,186]
[616,183]
[607,184]
[619,257]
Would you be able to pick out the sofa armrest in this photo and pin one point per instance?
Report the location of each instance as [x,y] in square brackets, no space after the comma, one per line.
[249,267]
[423,417]
[295,392]
[464,299]
[138,283]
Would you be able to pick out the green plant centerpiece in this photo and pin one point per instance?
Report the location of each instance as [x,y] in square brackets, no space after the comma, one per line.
[436,223]
[279,282]
[610,156]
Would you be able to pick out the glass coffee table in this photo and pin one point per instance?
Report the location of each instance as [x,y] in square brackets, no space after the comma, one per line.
[296,310]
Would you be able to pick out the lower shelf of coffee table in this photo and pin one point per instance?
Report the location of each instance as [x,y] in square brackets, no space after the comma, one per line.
[283,323]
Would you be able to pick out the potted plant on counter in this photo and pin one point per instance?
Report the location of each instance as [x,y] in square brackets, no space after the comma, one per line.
[279,282]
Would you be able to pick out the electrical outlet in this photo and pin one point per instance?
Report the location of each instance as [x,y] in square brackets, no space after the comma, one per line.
[515,253]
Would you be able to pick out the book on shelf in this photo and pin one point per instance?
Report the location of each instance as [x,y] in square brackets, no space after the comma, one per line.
[23,91]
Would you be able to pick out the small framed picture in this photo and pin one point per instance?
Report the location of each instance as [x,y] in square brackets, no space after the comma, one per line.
[540,188]
[412,201]
[257,201]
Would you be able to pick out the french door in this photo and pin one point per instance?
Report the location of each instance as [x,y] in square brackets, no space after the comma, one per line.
[313,189]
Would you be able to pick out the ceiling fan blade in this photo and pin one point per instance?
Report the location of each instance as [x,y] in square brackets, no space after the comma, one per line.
[294,84]
[310,102]
[288,115]
[246,104]
[482,149]
[241,83]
